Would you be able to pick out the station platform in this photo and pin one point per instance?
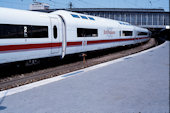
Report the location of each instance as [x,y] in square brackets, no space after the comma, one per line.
[137,83]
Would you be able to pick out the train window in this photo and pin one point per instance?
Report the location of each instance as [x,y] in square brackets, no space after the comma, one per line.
[91,18]
[39,31]
[142,33]
[11,31]
[84,17]
[75,16]
[127,33]
[84,32]
[55,32]
[23,31]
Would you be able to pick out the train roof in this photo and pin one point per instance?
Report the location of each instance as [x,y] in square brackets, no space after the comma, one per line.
[16,16]
[140,29]
[86,20]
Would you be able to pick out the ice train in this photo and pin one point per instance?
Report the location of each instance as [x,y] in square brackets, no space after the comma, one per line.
[26,35]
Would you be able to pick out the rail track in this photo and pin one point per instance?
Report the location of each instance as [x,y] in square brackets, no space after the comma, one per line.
[69,64]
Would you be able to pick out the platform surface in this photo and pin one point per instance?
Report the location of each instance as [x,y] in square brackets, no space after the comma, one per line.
[134,84]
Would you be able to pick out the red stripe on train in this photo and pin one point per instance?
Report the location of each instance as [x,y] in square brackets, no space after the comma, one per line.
[28,46]
[49,45]
[107,41]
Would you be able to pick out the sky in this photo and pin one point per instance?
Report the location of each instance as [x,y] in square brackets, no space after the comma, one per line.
[24,4]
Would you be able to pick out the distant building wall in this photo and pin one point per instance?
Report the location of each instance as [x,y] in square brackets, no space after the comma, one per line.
[149,18]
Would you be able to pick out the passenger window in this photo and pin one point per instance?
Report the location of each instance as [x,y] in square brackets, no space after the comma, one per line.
[55,32]
[127,33]
[38,31]
[23,31]
[84,32]
[142,33]
[11,31]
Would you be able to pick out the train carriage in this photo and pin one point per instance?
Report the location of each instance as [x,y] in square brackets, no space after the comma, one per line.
[26,35]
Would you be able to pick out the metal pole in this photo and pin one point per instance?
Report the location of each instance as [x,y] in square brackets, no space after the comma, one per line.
[130,18]
[147,18]
[136,19]
[141,19]
[152,18]
[158,19]
[163,19]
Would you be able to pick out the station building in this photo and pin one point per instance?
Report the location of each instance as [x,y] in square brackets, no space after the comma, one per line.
[147,18]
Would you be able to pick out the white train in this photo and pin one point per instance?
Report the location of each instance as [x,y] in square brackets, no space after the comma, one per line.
[26,35]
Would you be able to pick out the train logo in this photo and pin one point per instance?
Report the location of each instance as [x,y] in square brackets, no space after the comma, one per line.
[109,32]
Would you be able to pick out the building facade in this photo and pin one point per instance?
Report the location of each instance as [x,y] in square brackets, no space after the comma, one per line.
[148,18]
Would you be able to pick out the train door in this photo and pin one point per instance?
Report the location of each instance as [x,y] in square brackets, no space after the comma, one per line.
[84,44]
[64,41]
[83,35]
[55,35]
[136,35]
